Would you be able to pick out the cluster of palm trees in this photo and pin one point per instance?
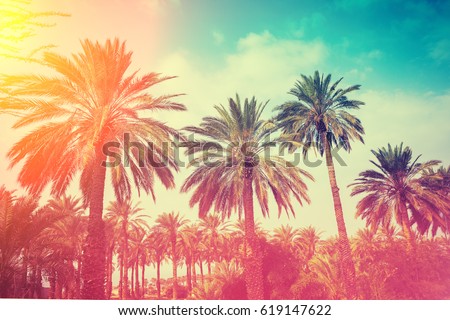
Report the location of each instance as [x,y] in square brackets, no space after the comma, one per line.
[40,242]
[92,102]
[207,257]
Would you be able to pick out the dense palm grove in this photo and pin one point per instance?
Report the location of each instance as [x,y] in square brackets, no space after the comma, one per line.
[79,246]
[42,246]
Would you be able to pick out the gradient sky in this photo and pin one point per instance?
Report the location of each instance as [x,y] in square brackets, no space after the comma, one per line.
[399,51]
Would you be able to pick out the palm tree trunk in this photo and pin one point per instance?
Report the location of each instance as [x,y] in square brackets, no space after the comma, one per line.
[58,287]
[410,241]
[143,278]
[200,263]
[125,261]
[174,271]
[253,266]
[93,267]
[121,275]
[194,273]
[109,270]
[38,284]
[78,279]
[189,274]
[25,285]
[345,251]
[158,278]
[132,281]
[137,290]
[31,290]
[52,281]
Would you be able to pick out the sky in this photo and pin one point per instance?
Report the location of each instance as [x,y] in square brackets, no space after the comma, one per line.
[398,51]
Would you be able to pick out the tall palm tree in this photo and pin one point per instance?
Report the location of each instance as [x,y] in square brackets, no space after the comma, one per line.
[136,254]
[234,164]
[88,107]
[21,222]
[213,230]
[125,216]
[319,120]
[67,235]
[157,244]
[140,251]
[111,249]
[396,191]
[171,225]
[197,249]
[188,243]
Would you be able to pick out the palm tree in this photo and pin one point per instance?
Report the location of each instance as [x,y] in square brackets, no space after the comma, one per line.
[67,235]
[170,225]
[307,242]
[136,239]
[140,253]
[21,222]
[439,181]
[111,248]
[369,248]
[125,216]
[329,271]
[188,243]
[90,106]
[286,237]
[157,244]
[319,120]
[196,248]
[233,163]
[213,231]
[396,191]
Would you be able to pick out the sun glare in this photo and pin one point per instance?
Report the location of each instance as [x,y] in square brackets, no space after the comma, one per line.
[18,24]
[14,25]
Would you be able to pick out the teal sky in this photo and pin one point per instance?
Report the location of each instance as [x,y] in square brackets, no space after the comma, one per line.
[395,44]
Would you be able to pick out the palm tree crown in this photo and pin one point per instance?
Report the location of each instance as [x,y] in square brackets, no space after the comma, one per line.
[238,138]
[320,108]
[396,191]
[90,102]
